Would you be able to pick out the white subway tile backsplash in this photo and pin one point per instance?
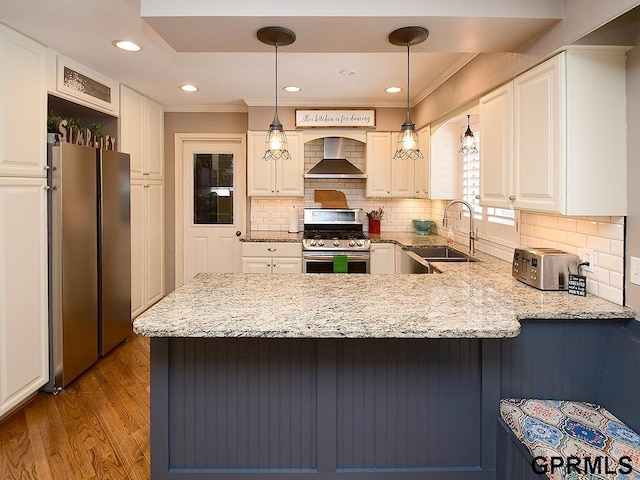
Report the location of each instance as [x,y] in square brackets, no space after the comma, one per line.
[611,230]
[617,248]
[577,239]
[610,262]
[604,235]
[567,224]
[598,243]
[587,227]
[610,293]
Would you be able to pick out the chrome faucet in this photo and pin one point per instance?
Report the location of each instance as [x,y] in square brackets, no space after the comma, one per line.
[473,235]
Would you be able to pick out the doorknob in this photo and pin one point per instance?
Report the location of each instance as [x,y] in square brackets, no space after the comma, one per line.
[238,233]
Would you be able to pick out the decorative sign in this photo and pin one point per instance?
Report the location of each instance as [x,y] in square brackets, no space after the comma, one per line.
[335,118]
[578,285]
[86,138]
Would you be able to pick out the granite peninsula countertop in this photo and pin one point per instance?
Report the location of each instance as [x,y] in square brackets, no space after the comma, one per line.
[468,300]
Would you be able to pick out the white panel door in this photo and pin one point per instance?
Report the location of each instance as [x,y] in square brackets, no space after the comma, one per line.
[402,174]
[154,240]
[537,127]
[154,136]
[260,173]
[132,129]
[24,339]
[290,173]
[138,248]
[23,106]
[214,197]
[496,153]
[378,159]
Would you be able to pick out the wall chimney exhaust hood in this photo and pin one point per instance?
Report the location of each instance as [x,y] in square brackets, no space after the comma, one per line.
[335,164]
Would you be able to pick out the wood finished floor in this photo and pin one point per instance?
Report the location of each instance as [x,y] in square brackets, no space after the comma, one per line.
[98,429]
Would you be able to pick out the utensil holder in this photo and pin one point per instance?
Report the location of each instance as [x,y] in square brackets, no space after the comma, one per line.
[374,225]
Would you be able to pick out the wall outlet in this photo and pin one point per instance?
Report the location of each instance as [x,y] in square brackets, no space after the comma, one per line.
[589,256]
[635,270]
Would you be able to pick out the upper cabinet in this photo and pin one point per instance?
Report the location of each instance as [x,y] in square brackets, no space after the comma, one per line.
[387,177]
[275,178]
[141,134]
[81,85]
[23,106]
[554,139]
[444,180]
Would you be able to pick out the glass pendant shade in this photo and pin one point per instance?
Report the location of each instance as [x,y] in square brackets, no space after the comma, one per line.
[276,147]
[468,141]
[407,144]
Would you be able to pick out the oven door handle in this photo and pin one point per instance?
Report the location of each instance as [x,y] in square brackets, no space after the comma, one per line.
[328,257]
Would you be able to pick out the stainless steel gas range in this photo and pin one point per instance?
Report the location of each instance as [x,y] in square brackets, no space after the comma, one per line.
[330,233]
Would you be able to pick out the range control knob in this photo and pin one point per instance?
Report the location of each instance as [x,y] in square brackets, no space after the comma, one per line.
[360,243]
[336,243]
[312,243]
[320,243]
[352,243]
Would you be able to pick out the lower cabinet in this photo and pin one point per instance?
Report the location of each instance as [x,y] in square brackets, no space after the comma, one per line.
[271,257]
[24,334]
[383,258]
[147,244]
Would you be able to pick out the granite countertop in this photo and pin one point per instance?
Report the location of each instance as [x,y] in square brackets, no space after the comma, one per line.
[468,300]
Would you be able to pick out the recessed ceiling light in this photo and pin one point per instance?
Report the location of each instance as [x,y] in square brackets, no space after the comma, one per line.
[393,89]
[189,88]
[348,72]
[291,88]
[127,45]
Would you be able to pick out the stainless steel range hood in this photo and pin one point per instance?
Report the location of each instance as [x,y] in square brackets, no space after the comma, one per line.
[335,164]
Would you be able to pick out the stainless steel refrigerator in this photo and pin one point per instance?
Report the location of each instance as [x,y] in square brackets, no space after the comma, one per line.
[89,257]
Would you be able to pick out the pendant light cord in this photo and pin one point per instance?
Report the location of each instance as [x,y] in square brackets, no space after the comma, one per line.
[408,77]
[276,45]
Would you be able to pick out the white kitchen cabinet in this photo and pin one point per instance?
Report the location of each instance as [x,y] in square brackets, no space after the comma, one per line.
[387,177]
[24,340]
[436,175]
[275,178]
[569,137]
[383,258]
[142,134]
[496,151]
[23,105]
[147,244]
[271,257]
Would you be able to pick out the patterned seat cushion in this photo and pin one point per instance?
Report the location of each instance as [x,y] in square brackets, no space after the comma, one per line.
[600,446]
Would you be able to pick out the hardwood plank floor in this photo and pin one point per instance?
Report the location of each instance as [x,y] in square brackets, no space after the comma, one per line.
[97,429]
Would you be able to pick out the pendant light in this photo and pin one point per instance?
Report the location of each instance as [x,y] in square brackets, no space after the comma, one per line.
[407,145]
[276,141]
[468,141]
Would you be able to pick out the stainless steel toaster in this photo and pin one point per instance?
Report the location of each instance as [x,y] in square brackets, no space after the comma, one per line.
[544,268]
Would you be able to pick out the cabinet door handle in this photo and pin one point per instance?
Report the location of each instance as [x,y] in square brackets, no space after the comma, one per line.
[417,191]
[512,198]
[426,192]
[146,186]
[238,233]
[477,197]
[47,187]
[46,167]
[270,249]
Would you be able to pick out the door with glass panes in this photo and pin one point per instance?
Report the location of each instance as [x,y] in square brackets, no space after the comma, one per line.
[214,195]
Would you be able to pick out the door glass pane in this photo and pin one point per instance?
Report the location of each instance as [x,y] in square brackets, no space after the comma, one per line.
[213,188]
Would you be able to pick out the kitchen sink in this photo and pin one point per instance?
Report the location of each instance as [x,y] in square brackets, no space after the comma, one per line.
[441,253]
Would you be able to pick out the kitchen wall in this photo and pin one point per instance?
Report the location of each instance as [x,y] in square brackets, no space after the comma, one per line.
[199,122]
[633,165]
[273,214]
